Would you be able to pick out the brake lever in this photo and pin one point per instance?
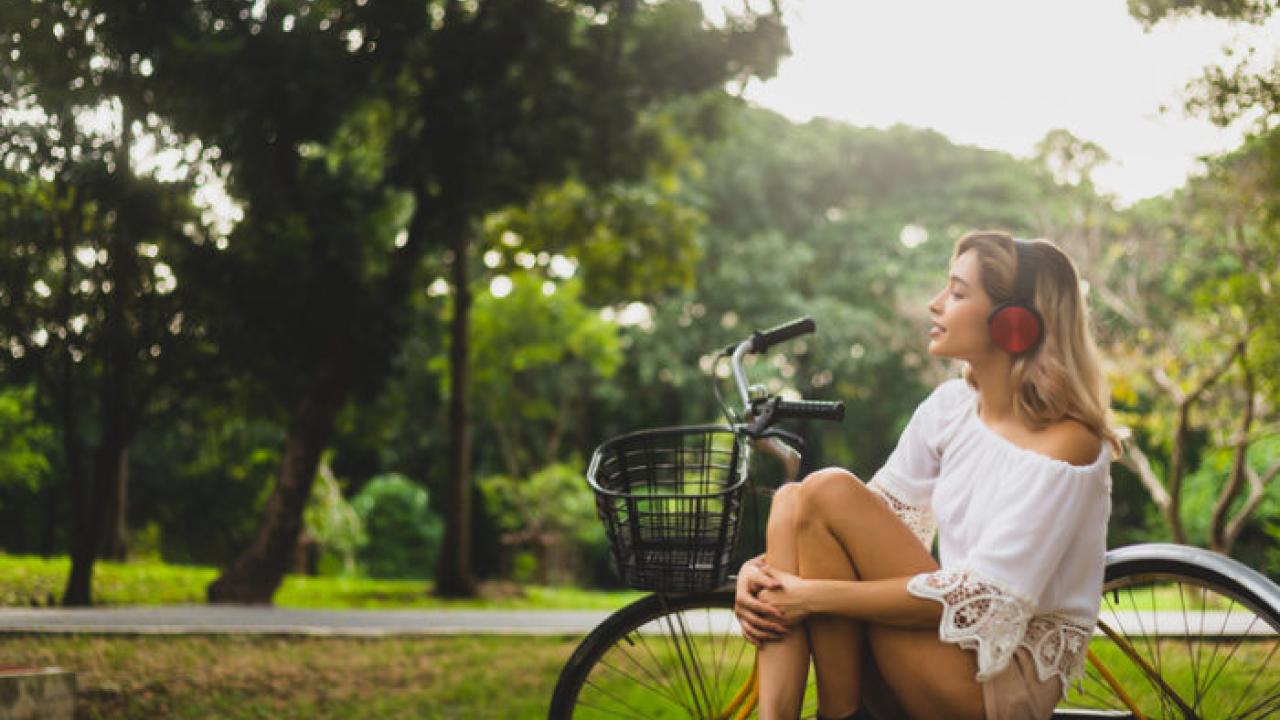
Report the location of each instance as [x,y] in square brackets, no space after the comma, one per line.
[773,445]
[795,441]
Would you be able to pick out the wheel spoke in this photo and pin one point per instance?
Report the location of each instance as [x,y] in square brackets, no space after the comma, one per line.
[663,657]
[1270,694]
[640,682]
[1195,666]
[670,678]
[686,662]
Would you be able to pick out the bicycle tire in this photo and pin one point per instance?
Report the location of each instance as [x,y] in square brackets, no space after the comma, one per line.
[644,661]
[1206,625]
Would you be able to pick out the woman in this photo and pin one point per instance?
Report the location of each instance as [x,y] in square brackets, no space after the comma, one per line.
[1012,461]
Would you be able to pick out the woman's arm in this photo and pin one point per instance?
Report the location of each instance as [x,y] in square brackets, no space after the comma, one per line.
[886,602]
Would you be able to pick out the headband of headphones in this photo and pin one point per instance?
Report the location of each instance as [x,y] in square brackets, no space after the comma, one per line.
[1024,285]
[1016,326]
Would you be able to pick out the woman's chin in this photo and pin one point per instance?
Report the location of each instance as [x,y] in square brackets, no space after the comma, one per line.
[940,350]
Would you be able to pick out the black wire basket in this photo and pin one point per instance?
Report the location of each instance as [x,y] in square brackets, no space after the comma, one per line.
[671,501]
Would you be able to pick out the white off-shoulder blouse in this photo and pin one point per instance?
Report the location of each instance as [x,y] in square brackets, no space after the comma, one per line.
[1021,535]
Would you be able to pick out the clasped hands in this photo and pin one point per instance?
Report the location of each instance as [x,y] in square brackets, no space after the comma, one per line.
[768,601]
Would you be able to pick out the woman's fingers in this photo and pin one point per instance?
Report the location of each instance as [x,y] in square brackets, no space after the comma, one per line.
[755,632]
[761,608]
[757,619]
[761,579]
[765,578]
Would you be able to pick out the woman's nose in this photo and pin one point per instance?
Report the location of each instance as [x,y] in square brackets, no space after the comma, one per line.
[935,306]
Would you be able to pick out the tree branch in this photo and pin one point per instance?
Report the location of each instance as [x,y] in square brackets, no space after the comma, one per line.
[1137,461]
[1218,537]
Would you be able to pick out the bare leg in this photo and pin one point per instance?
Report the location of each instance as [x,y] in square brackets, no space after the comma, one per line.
[836,643]
[784,664]
[845,532]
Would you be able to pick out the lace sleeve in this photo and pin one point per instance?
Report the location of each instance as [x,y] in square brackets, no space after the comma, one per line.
[978,613]
[918,519]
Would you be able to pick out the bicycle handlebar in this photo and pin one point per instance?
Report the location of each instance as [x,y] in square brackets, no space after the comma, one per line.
[768,410]
[809,409]
[761,341]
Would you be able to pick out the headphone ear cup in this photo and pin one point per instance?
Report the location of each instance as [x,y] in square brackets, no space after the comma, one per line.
[1014,327]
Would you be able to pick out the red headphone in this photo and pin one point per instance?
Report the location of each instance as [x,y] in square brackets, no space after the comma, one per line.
[1015,325]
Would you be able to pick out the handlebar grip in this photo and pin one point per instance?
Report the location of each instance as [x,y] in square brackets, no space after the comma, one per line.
[809,409]
[763,340]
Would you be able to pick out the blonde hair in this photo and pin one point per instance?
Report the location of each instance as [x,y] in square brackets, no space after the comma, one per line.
[1062,378]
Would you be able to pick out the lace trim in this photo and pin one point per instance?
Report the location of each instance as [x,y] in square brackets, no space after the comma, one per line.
[977,614]
[918,519]
[984,615]
[1059,646]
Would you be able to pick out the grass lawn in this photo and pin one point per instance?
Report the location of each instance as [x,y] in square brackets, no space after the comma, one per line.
[235,677]
[245,677]
[26,581]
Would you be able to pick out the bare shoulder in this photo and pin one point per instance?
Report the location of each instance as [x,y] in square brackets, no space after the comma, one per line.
[1070,441]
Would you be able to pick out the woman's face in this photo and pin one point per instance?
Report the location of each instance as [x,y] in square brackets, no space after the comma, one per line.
[959,313]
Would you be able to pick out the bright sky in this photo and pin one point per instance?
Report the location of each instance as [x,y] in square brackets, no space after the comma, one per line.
[1001,73]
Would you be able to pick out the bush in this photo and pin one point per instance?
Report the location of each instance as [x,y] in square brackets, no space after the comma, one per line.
[333,524]
[403,534]
[548,522]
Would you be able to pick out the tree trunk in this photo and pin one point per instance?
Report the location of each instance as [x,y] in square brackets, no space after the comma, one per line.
[1174,513]
[52,506]
[92,505]
[79,485]
[255,575]
[115,541]
[453,573]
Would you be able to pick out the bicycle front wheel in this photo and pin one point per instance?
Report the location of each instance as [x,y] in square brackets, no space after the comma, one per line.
[1182,633]
[664,656]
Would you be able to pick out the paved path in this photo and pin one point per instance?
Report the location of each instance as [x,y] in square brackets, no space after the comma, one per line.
[206,619]
[214,619]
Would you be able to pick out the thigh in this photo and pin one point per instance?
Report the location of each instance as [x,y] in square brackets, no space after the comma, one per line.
[876,542]
[947,689]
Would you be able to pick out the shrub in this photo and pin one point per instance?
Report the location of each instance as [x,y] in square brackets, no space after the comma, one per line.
[403,534]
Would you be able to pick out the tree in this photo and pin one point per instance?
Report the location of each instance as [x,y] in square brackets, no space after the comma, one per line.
[1188,291]
[365,135]
[91,304]
[1225,94]
[588,84]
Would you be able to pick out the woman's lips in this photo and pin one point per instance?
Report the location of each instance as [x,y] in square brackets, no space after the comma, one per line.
[935,330]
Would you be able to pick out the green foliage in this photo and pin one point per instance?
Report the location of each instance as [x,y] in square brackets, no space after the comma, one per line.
[29,580]
[1249,87]
[1202,492]
[25,442]
[1150,12]
[332,522]
[204,477]
[403,533]
[631,240]
[536,353]
[552,509]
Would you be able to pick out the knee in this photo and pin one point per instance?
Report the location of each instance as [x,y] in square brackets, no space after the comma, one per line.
[828,488]
[784,504]
[787,495]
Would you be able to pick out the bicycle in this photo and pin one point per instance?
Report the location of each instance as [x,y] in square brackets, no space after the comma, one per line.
[1182,632]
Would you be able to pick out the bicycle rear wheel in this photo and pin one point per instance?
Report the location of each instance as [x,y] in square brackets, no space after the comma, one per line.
[1183,633]
[664,656]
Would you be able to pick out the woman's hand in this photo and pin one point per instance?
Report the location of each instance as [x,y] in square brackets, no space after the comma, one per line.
[760,621]
[787,594]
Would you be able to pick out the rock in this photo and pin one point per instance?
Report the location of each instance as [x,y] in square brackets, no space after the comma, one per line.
[37,694]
